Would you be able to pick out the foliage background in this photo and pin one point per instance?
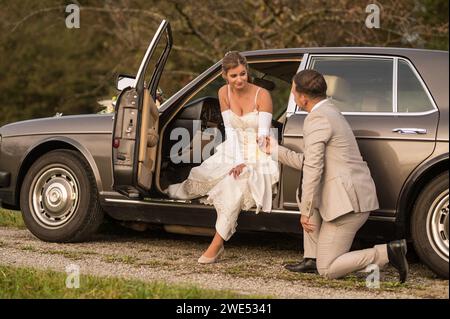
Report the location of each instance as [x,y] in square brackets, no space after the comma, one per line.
[46,68]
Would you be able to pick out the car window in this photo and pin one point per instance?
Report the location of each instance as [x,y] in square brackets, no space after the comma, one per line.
[279,89]
[170,81]
[357,84]
[411,95]
[211,90]
[273,76]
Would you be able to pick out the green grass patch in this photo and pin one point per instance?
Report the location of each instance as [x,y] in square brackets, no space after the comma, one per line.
[354,281]
[73,255]
[28,248]
[129,260]
[11,218]
[155,263]
[26,283]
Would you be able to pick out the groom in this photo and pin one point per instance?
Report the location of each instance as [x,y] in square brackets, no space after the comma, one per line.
[336,191]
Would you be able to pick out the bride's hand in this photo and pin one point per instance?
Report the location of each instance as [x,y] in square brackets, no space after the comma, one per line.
[236,171]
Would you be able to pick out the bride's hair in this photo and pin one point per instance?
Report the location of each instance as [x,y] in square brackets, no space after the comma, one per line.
[231,60]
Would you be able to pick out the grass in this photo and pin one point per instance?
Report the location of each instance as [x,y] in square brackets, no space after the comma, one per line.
[155,263]
[73,255]
[350,282]
[129,260]
[28,248]
[11,218]
[26,283]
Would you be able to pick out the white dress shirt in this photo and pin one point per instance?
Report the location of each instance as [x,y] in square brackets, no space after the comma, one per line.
[319,104]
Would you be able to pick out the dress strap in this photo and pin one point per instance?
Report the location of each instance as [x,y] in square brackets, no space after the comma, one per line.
[229,100]
[256,97]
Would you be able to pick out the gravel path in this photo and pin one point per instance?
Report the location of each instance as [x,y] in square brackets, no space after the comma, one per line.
[252,264]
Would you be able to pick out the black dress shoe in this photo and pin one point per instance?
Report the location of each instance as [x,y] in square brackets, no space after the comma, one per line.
[397,257]
[307,265]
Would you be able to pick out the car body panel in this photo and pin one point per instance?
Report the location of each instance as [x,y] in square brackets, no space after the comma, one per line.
[89,134]
[92,135]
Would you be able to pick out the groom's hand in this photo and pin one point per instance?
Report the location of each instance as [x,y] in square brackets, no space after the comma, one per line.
[306,224]
[266,144]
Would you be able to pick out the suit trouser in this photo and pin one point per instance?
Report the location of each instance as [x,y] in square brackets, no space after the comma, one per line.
[330,243]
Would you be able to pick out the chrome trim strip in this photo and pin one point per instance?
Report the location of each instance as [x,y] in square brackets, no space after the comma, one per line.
[292,107]
[147,53]
[378,138]
[433,103]
[395,85]
[303,63]
[381,113]
[57,133]
[276,211]
[396,138]
[180,203]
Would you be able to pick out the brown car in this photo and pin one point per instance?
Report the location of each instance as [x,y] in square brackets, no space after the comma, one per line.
[65,172]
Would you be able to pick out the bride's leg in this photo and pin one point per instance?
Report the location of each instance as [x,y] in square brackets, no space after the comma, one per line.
[214,247]
[227,198]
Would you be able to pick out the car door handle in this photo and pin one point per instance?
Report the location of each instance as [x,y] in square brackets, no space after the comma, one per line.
[410,130]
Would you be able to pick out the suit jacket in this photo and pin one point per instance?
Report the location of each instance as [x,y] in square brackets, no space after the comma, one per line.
[336,180]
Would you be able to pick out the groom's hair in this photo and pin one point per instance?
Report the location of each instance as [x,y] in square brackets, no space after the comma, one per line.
[311,83]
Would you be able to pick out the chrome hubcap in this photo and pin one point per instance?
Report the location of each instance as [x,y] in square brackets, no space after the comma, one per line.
[54,196]
[437,225]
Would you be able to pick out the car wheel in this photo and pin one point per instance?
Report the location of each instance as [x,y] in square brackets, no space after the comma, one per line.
[429,227]
[59,198]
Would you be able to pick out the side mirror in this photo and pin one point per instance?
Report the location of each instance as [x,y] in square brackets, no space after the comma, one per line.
[124,81]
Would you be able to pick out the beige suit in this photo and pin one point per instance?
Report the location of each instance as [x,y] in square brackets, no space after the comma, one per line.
[337,192]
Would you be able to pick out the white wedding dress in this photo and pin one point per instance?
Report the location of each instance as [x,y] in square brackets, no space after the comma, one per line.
[254,187]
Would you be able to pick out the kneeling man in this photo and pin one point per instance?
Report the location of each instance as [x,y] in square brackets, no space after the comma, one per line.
[336,191]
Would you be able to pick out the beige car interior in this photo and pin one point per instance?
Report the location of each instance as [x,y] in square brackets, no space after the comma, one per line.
[338,89]
[149,141]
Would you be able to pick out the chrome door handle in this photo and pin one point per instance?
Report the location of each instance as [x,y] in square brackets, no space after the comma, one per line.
[410,130]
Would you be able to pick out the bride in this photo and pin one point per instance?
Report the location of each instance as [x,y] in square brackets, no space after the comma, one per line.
[238,176]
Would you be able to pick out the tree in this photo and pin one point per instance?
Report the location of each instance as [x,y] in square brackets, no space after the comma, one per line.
[47,68]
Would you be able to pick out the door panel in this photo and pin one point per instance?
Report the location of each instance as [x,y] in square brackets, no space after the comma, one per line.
[292,139]
[136,121]
[391,156]
[148,142]
[124,137]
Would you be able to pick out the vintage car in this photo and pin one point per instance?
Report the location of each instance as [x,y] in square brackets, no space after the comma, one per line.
[64,173]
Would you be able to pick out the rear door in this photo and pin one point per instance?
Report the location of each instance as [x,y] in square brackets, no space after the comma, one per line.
[136,121]
[391,113]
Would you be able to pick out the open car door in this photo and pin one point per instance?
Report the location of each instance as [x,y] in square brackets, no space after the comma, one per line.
[136,120]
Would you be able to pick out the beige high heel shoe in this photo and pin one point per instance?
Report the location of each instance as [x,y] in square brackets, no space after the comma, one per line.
[211,260]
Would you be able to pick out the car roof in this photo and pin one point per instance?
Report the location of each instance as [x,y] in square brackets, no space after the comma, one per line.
[348,50]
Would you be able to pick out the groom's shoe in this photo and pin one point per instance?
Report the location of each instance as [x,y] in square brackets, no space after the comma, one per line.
[397,257]
[307,265]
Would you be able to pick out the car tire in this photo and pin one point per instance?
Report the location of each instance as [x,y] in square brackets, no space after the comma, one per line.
[429,225]
[59,198]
